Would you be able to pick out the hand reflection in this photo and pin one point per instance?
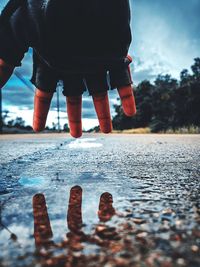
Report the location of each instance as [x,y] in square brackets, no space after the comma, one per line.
[42,227]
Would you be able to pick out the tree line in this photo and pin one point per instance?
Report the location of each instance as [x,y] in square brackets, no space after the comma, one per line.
[166,103]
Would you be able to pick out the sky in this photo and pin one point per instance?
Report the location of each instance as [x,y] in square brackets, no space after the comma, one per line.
[166,39]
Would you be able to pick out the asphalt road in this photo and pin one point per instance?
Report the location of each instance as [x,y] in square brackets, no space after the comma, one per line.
[149,215]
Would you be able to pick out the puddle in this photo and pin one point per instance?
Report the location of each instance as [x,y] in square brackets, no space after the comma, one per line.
[33,181]
[77,222]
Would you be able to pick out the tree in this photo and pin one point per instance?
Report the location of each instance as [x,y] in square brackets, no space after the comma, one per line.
[19,122]
[66,128]
[185,77]
[5,115]
[143,94]
[196,69]
[165,104]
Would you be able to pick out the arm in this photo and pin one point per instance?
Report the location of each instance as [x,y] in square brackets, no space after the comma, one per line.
[13,35]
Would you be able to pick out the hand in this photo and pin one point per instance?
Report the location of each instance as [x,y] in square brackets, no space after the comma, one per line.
[74,105]
[90,46]
[74,109]
[43,99]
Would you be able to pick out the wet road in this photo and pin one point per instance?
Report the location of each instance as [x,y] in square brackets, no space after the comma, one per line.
[117,200]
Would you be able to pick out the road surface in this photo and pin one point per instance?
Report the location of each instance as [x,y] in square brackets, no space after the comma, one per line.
[102,200]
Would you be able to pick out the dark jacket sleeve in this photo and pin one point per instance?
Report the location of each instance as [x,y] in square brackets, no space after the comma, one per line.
[14,41]
[85,35]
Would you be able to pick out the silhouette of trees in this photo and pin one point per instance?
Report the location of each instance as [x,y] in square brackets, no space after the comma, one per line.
[165,104]
[66,128]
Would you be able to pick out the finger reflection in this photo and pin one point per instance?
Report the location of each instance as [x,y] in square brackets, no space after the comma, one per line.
[74,214]
[106,210]
[42,227]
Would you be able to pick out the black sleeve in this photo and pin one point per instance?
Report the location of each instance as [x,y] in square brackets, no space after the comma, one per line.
[14,41]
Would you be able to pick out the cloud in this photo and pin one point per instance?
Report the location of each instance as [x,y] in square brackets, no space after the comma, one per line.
[17,95]
[2,3]
[165,35]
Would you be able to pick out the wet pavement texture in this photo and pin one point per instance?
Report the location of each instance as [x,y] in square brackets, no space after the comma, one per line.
[114,200]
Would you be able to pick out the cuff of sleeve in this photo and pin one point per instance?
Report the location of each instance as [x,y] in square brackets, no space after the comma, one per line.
[120,78]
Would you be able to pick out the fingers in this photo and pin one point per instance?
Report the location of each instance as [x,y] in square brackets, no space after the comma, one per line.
[74,111]
[106,210]
[6,71]
[101,104]
[42,102]
[74,214]
[42,227]
[128,100]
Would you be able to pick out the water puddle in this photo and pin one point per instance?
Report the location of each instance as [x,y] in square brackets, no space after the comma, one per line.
[95,219]
[84,224]
[33,181]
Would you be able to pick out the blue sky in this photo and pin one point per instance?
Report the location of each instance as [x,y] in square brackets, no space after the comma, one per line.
[166,39]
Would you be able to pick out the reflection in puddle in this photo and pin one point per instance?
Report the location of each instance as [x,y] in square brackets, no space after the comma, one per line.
[36,234]
[85,143]
[76,238]
[42,228]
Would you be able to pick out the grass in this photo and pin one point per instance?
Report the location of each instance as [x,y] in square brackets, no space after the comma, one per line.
[183,130]
[134,131]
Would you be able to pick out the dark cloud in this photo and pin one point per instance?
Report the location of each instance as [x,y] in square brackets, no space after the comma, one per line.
[179,14]
[16,94]
[145,74]
[166,32]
